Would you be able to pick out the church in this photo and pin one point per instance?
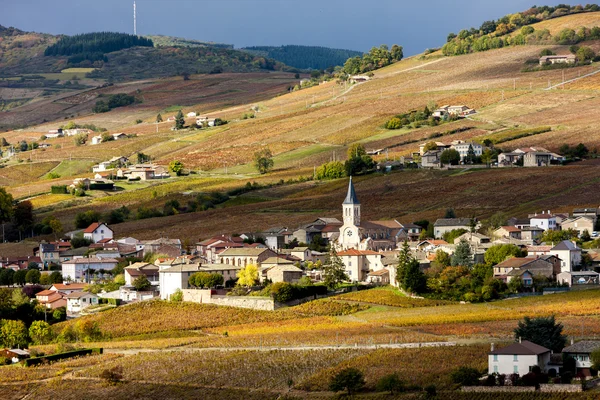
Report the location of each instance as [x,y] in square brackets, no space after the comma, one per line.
[360,243]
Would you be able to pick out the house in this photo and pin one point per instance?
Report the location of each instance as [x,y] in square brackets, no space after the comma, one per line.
[97,231]
[80,268]
[524,275]
[358,263]
[353,79]
[205,121]
[136,270]
[244,256]
[96,140]
[51,299]
[76,131]
[460,111]
[171,247]
[176,278]
[569,254]
[535,265]
[68,288]
[440,146]
[49,254]
[444,225]
[302,254]
[474,239]
[381,277]
[545,221]
[128,293]
[531,233]
[575,278]
[79,301]
[579,224]
[431,159]
[591,213]
[118,136]
[72,254]
[517,358]
[15,355]
[463,148]
[191,114]
[284,273]
[509,232]
[54,133]
[581,351]
[556,59]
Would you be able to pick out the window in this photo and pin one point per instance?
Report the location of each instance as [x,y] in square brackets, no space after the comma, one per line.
[516,369]
[495,357]
[515,357]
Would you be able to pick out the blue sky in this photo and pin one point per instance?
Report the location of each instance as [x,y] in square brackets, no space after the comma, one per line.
[352,24]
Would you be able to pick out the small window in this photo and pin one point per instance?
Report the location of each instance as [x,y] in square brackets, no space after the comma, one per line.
[515,357]
[516,369]
[495,357]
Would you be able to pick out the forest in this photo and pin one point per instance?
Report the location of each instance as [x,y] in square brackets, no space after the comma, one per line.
[95,44]
[305,57]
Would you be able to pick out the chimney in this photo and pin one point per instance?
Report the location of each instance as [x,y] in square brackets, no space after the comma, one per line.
[493,347]
[519,339]
[572,342]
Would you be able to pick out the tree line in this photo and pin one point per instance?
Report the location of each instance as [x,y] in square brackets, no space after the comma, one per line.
[305,57]
[492,34]
[377,57]
[96,42]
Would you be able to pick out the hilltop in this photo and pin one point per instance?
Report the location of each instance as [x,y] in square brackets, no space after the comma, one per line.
[173,41]
[305,57]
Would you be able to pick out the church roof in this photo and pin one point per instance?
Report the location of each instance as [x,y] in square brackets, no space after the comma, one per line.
[351,196]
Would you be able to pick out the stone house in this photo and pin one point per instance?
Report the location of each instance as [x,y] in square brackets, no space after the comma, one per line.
[444,225]
[579,224]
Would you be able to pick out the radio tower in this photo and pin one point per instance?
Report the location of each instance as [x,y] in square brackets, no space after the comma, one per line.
[134,19]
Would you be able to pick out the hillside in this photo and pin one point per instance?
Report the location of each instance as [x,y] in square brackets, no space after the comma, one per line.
[172,41]
[304,57]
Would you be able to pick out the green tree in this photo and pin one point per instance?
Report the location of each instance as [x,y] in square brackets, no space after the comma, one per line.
[331,170]
[263,160]
[40,332]
[33,276]
[142,283]
[179,120]
[465,376]
[86,218]
[23,216]
[19,277]
[390,383]
[500,252]
[358,160]
[450,156]
[471,157]
[334,271]
[159,118]
[544,331]
[413,280]
[6,206]
[80,139]
[248,276]
[282,292]
[585,54]
[450,213]
[404,258]
[348,379]
[56,277]
[13,333]
[6,277]
[176,167]
[595,359]
[430,146]
[443,258]
[177,297]
[462,255]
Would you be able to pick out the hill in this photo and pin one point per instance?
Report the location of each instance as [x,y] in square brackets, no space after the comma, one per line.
[305,57]
[172,41]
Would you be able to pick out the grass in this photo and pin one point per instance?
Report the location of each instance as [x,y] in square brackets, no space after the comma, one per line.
[72,168]
[77,70]
[49,200]
[390,296]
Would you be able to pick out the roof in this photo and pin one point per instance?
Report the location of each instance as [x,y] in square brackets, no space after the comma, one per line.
[92,227]
[585,346]
[565,245]
[69,286]
[45,293]
[351,196]
[245,251]
[525,348]
[219,267]
[277,260]
[515,262]
[182,268]
[78,295]
[581,273]
[285,268]
[354,252]
[435,242]
[538,249]
[381,272]
[452,222]
[388,224]
[510,228]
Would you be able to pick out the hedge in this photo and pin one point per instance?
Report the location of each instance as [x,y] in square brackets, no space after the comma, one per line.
[59,189]
[61,356]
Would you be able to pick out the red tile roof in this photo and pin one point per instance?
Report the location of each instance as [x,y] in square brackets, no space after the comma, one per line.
[92,228]
[354,252]
[511,229]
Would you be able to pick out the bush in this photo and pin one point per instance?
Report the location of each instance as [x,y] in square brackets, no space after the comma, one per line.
[390,383]
[282,292]
[349,379]
[113,375]
[59,189]
[465,376]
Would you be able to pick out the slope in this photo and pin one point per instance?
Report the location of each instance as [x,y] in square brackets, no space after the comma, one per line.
[305,57]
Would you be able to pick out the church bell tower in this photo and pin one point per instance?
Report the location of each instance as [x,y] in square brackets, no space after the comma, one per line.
[351,207]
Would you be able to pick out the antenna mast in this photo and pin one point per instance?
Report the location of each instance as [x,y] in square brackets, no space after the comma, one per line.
[134,19]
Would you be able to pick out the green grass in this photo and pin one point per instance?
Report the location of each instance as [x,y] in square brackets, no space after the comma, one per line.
[172,108]
[72,168]
[77,70]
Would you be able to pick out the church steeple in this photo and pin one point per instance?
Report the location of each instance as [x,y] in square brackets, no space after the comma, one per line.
[351,207]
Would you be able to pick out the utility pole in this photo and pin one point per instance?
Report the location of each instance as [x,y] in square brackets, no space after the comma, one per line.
[134,19]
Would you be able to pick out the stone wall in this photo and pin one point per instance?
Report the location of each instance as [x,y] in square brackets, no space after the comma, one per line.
[498,389]
[207,297]
[560,388]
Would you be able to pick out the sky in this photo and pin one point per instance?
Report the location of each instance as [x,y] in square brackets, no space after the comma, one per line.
[349,24]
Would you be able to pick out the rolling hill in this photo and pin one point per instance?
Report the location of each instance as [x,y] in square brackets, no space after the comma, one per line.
[304,57]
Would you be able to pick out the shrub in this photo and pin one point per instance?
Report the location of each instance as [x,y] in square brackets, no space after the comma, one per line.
[282,292]
[58,189]
[390,383]
[465,376]
[349,379]
[113,375]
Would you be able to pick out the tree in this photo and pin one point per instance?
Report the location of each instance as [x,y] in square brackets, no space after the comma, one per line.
[358,160]
[179,120]
[450,213]
[19,277]
[86,218]
[53,223]
[56,277]
[248,276]
[500,252]
[23,216]
[544,331]
[413,280]
[141,283]
[176,167]
[6,206]
[40,332]
[177,297]
[595,359]
[430,146]
[107,137]
[330,170]
[443,258]
[159,118]
[390,383]
[585,54]
[471,157]
[80,139]
[263,160]
[349,379]
[334,271]
[450,156]
[13,333]
[465,376]
[6,276]
[33,276]
[142,158]
[462,255]
[282,292]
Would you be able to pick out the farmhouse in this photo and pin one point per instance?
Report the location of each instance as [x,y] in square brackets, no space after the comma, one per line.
[359,263]
[463,148]
[535,266]
[118,136]
[68,288]
[136,270]
[579,224]
[79,301]
[97,231]
[518,358]
[51,299]
[244,256]
[459,111]
[555,59]
[284,272]
[581,351]
[96,140]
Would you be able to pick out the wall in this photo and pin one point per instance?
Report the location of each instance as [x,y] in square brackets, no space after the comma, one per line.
[544,388]
[204,296]
[560,388]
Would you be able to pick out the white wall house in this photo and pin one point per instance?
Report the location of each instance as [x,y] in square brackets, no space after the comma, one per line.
[97,232]
[78,301]
[581,351]
[175,278]
[76,269]
[96,140]
[518,358]
[463,148]
[569,254]
[545,221]
[358,263]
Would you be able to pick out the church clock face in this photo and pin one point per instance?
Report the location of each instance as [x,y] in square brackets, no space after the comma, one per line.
[348,233]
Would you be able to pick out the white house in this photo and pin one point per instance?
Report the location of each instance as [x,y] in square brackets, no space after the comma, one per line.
[518,358]
[581,351]
[463,148]
[359,263]
[76,269]
[546,221]
[444,225]
[97,231]
[176,277]
[134,271]
[191,114]
[79,301]
[569,254]
[96,140]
